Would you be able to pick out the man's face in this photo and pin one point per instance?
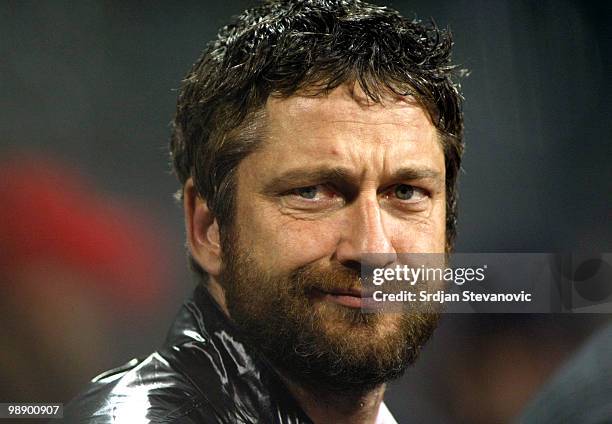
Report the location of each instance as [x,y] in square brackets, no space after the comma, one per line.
[336,177]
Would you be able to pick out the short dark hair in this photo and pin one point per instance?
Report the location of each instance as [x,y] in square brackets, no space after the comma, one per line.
[286,47]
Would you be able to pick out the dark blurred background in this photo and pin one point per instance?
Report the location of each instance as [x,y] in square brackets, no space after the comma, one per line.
[87,91]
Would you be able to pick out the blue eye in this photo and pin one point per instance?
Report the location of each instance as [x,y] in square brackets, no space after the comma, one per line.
[404,191]
[307,192]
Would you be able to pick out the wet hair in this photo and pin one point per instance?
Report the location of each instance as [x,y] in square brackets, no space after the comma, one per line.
[309,47]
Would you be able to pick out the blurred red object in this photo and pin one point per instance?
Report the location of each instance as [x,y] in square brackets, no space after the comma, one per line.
[50,214]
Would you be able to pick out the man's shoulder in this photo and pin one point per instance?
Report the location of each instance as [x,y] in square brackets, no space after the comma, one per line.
[203,373]
[147,390]
[175,384]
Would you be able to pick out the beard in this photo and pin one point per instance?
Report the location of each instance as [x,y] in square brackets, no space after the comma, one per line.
[315,343]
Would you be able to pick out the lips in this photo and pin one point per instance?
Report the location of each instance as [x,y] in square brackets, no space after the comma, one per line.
[352,297]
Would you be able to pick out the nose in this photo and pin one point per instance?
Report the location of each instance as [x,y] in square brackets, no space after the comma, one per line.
[365,242]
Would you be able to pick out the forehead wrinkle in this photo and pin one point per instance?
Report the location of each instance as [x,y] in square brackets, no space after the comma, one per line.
[409,119]
[350,121]
[338,126]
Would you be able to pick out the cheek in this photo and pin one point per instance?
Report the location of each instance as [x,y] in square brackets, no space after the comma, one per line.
[285,243]
[418,237]
[307,241]
[420,234]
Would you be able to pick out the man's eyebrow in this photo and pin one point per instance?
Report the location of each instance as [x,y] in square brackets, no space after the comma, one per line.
[343,176]
[417,173]
[308,176]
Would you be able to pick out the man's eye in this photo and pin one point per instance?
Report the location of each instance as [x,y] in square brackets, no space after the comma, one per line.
[309,192]
[404,191]
[407,192]
[314,197]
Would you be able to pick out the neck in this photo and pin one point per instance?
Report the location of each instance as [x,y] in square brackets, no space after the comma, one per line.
[341,408]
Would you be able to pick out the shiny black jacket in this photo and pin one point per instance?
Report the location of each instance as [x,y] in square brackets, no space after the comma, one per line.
[202,374]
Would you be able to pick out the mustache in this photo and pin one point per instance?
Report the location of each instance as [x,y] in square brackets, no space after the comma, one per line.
[336,278]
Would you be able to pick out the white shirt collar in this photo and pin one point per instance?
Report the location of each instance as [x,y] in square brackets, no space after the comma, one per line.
[384,415]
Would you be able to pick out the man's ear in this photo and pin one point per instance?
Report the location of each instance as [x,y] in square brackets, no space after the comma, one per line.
[202,229]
